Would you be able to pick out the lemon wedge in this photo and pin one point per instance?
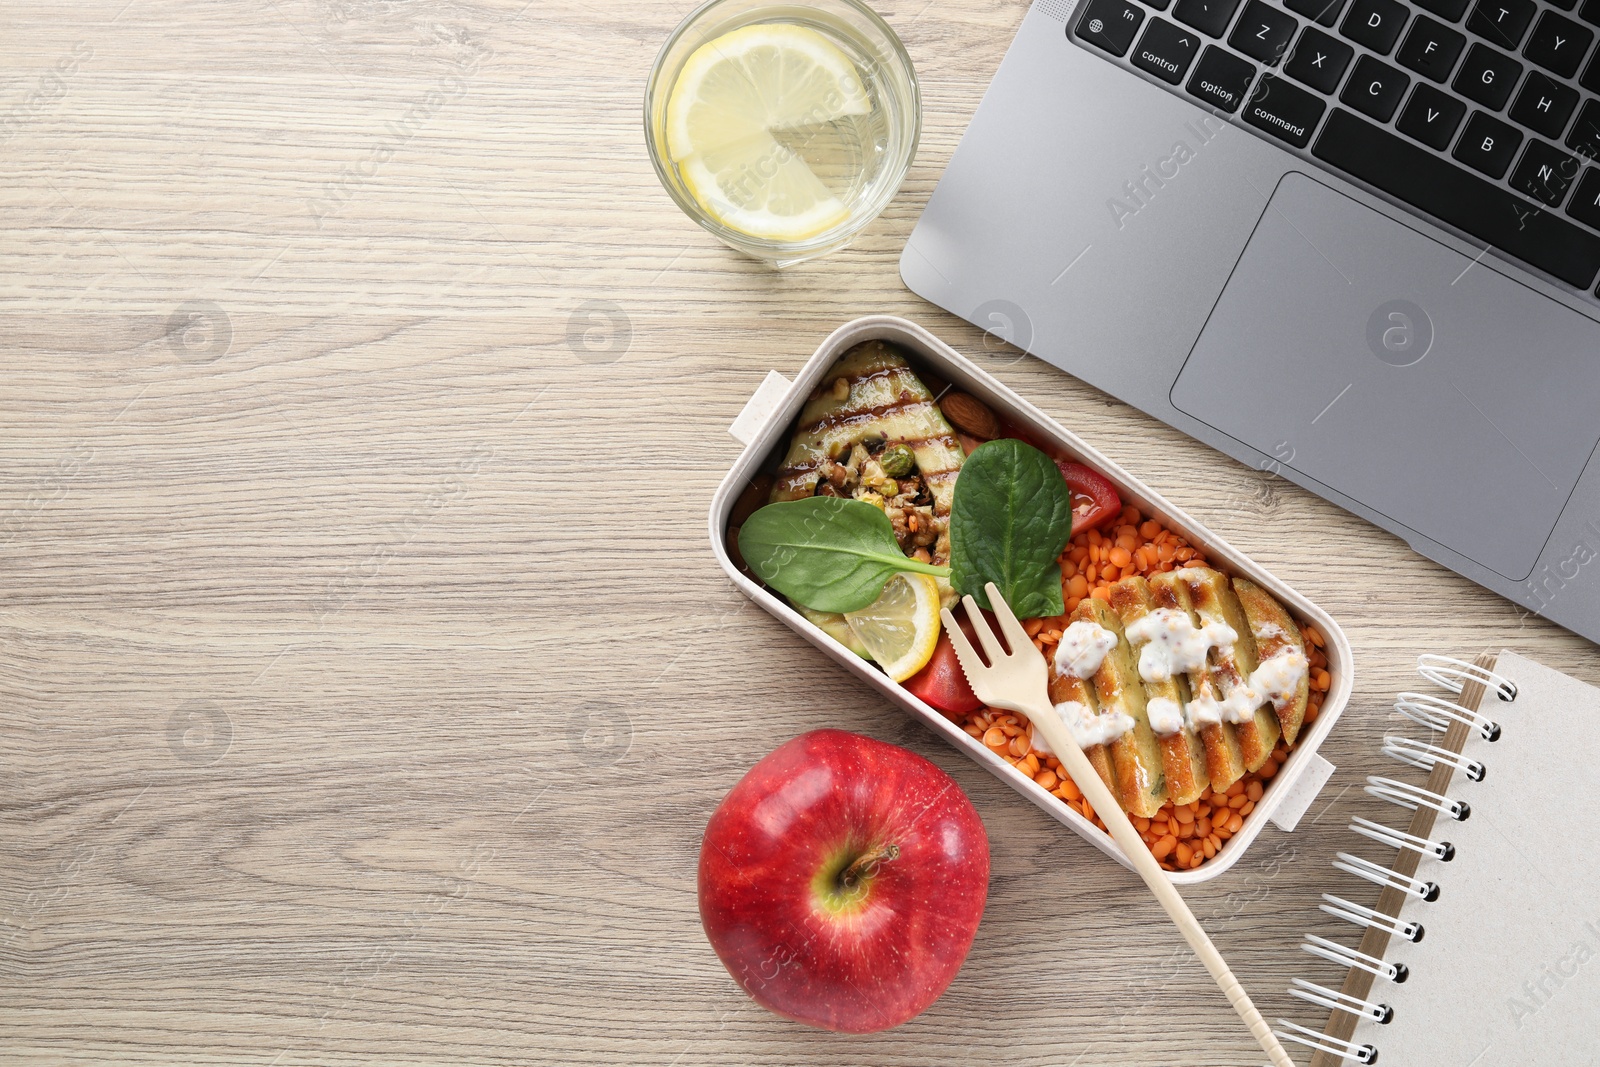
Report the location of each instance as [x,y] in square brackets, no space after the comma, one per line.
[732,95]
[901,628]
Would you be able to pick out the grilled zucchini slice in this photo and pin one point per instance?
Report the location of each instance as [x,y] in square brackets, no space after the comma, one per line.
[872,394]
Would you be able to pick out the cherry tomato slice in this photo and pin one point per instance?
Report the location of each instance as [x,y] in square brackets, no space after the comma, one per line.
[1094,500]
[942,685]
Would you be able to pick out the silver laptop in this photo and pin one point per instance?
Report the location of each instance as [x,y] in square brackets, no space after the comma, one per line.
[1355,242]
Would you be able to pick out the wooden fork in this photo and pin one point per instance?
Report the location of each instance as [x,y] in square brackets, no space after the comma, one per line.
[1019,681]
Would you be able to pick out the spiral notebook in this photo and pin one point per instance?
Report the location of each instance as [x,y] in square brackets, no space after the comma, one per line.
[1482,947]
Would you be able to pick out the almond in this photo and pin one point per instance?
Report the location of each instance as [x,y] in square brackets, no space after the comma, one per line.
[969,415]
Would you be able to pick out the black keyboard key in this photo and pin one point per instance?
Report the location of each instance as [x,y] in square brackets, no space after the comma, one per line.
[1565,5]
[1501,22]
[1325,12]
[1220,78]
[1166,50]
[1589,12]
[1284,110]
[1374,88]
[1210,17]
[1544,173]
[1375,23]
[1584,137]
[1431,117]
[1585,206]
[1591,75]
[1263,33]
[1431,49]
[1487,144]
[1110,25]
[1439,188]
[1558,44]
[1487,76]
[1544,106]
[1318,60]
[1449,9]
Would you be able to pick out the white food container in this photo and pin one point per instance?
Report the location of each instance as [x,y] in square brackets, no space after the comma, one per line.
[764,426]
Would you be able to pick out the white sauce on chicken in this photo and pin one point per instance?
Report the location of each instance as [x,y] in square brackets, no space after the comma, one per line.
[1266,631]
[1083,648]
[1087,728]
[1278,679]
[1169,643]
[1166,716]
[1275,679]
[1203,711]
[1240,705]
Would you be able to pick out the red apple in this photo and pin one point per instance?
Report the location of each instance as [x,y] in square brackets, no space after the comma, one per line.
[842,880]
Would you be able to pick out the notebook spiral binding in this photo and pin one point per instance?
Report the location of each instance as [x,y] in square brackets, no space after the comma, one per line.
[1427,757]
[1329,998]
[1439,715]
[1361,915]
[1450,673]
[1413,797]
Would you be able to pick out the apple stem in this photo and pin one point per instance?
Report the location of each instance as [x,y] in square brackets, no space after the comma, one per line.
[865,864]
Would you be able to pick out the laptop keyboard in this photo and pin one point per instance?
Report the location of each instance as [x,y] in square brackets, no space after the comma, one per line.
[1470,111]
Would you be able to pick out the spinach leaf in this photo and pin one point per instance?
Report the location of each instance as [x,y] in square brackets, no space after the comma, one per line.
[1010,519]
[827,553]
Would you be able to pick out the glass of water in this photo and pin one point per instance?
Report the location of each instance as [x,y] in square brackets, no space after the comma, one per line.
[783,128]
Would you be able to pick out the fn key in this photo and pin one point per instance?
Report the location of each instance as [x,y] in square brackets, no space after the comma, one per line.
[1110,25]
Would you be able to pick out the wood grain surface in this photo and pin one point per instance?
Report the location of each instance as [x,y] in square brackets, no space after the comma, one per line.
[366,679]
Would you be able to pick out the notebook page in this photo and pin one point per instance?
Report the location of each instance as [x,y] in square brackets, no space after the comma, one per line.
[1508,973]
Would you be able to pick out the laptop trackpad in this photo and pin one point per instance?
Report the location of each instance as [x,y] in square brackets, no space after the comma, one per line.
[1443,394]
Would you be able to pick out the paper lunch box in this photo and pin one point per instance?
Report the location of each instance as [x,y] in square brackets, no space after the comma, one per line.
[764,428]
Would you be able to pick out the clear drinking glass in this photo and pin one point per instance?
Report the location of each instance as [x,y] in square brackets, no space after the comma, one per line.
[861,159]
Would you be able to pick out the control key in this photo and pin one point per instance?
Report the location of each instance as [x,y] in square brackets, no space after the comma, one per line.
[1166,50]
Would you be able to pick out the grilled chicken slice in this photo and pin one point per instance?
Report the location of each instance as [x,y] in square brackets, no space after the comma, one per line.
[1141,783]
[1231,667]
[1065,687]
[872,395]
[1224,762]
[1276,635]
[1183,757]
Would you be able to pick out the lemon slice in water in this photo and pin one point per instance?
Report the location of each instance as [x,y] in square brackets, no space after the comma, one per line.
[733,94]
[901,627]
[760,188]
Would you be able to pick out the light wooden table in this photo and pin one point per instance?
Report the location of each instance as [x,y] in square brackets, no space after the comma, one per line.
[366,679]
